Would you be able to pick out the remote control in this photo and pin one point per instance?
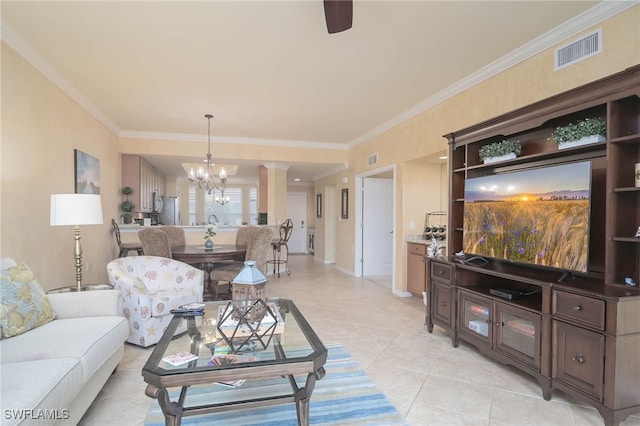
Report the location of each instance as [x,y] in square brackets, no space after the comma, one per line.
[188,312]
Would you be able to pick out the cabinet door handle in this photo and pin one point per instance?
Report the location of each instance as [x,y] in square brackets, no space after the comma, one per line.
[578,358]
[577,308]
[443,303]
[441,272]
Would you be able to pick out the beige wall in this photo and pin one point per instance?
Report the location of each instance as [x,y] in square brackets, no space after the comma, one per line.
[422,135]
[41,127]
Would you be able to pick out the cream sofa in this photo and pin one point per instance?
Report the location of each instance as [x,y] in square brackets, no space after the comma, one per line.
[52,373]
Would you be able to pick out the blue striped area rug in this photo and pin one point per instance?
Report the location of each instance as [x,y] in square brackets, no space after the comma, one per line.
[344,396]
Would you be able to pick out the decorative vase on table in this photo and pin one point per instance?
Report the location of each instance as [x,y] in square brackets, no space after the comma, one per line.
[209,232]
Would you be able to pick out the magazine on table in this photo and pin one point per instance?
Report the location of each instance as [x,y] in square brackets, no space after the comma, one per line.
[180,358]
[228,359]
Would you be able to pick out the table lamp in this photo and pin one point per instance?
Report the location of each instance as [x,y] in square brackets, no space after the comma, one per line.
[76,210]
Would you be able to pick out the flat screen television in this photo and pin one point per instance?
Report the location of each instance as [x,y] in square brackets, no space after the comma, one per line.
[538,216]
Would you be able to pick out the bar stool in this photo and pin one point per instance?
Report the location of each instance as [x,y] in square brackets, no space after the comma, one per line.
[125,248]
[285,233]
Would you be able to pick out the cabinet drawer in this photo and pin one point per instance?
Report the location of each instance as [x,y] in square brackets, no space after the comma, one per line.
[580,309]
[578,358]
[442,303]
[440,271]
[420,249]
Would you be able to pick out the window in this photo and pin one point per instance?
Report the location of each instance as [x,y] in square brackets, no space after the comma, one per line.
[193,217]
[241,208]
[229,214]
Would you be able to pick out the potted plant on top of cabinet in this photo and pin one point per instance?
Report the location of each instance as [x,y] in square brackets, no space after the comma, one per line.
[499,151]
[127,206]
[589,130]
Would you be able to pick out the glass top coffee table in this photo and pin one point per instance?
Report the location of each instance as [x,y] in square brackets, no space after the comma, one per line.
[280,346]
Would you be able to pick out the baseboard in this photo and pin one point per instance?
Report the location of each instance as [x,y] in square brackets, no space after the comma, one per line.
[345,271]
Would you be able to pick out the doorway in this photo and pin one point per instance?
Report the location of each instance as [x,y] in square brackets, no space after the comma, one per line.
[375,216]
[297,212]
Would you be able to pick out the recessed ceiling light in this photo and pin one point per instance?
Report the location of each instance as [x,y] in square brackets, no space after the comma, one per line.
[296,180]
[444,157]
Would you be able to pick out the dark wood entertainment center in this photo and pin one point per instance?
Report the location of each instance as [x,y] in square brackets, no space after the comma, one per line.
[579,334]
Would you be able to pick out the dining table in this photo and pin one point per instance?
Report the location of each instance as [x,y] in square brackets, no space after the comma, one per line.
[205,259]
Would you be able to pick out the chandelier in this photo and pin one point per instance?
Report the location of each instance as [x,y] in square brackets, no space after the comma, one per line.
[206,179]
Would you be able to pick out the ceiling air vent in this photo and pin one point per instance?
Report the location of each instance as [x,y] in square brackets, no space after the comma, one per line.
[576,51]
[373,159]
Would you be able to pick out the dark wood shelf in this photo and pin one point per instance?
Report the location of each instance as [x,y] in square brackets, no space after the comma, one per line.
[597,148]
[626,139]
[593,312]
[531,303]
[626,189]
[634,240]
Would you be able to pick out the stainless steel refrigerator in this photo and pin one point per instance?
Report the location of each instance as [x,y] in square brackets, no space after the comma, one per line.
[170,213]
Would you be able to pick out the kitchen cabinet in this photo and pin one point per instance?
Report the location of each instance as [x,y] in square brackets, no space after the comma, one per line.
[416,268]
[140,175]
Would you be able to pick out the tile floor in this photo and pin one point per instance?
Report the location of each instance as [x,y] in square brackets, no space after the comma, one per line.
[429,381]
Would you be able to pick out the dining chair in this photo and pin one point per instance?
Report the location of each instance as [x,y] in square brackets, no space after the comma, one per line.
[257,250]
[125,248]
[175,234]
[151,286]
[243,238]
[286,229]
[155,242]
[245,234]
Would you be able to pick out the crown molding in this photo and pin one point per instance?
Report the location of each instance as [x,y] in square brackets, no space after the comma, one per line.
[591,17]
[23,49]
[134,134]
[276,166]
[337,169]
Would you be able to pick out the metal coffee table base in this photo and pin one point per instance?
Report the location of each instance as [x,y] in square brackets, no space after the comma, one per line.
[294,351]
[174,410]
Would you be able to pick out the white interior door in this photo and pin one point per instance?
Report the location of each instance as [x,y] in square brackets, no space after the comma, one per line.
[377,227]
[297,212]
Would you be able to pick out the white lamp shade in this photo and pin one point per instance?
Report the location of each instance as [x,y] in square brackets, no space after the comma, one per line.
[76,209]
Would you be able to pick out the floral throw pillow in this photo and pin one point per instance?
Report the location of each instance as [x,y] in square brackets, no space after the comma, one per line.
[23,303]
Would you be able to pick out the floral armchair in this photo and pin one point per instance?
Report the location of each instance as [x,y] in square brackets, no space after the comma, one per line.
[151,286]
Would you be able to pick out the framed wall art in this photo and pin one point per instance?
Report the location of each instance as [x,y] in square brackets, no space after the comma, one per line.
[319,205]
[87,173]
[345,204]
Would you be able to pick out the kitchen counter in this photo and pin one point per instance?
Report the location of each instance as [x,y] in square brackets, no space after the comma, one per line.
[193,234]
[187,228]
[419,239]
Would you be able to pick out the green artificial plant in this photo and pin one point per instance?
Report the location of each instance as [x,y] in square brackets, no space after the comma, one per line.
[127,206]
[579,130]
[498,149]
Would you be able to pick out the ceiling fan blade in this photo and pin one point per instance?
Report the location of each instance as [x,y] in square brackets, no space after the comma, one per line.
[338,14]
